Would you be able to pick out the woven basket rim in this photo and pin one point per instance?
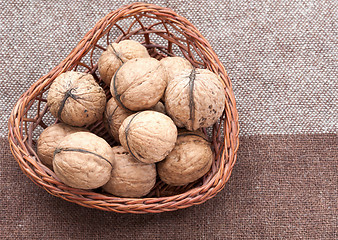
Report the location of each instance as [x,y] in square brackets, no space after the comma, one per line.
[39,173]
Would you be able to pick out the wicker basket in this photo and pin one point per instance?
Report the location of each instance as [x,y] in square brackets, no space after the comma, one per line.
[164,33]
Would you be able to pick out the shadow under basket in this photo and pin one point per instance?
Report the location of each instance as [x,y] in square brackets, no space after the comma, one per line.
[164,33]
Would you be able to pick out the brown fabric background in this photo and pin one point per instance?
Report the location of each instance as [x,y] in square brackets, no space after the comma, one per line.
[283,187]
[282,59]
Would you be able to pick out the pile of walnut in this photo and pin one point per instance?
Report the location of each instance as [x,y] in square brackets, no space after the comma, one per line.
[150,100]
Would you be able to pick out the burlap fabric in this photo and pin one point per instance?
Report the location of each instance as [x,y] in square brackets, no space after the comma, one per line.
[282,59]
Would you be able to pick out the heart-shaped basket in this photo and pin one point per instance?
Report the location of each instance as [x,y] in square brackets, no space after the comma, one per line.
[164,33]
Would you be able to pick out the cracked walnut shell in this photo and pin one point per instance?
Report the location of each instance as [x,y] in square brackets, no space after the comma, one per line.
[190,159]
[117,54]
[139,84]
[76,99]
[149,136]
[195,99]
[130,178]
[83,160]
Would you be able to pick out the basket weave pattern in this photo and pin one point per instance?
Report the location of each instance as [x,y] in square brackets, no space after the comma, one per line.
[163,33]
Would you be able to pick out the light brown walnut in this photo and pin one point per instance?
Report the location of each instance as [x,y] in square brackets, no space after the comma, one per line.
[149,136]
[76,99]
[139,84]
[195,99]
[50,138]
[83,160]
[117,54]
[175,65]
[130,178]
[115,115]
[190,159]
[159,107]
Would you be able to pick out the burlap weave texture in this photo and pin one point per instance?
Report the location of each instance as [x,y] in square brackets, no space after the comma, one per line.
[280,55]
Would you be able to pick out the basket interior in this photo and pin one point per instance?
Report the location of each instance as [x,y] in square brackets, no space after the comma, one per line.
[162,38]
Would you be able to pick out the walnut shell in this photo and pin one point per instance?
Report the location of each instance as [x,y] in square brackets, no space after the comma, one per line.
[76,99]
[190,159]
[114,117]
[195,99]
[139,84]
[159,107]
[130,178]
[149,136]
[175,65]
[117,54]
[83,160]
[50,138]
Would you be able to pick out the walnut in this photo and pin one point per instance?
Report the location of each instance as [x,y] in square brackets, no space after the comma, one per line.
[83,160]
[159,107]
[139,84]
[149,136]
[114,117]
[190,159]
[130,178]
[117,54]
[175,65]
[195,99]
[76,99]
[50,138]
